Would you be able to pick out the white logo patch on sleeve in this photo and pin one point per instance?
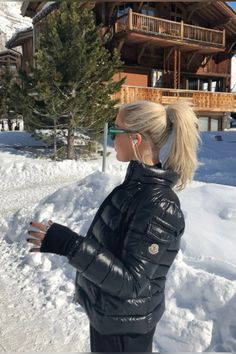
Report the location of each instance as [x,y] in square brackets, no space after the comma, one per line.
[154,248]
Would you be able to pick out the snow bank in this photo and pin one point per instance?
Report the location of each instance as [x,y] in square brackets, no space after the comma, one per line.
[18,138]
[217,158]
[201,284]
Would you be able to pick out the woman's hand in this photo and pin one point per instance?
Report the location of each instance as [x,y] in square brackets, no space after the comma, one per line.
[38,236]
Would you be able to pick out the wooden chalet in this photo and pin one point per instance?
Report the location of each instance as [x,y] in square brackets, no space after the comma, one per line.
[23,39]
[10,58]
[171,51]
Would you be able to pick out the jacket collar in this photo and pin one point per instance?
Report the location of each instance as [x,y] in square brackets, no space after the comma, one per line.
[138,171]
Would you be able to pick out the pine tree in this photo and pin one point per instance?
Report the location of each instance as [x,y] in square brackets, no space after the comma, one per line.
[22,100]
[74,71]
[7,107]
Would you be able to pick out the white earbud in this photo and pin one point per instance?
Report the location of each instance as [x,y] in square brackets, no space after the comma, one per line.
[134,142]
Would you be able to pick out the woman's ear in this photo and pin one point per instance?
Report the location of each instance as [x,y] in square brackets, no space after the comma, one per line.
[139,139]
[136,140]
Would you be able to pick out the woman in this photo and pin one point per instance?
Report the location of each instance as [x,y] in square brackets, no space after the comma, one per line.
[135,235]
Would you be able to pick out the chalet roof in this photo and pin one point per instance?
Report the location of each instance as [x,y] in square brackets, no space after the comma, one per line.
[28,7]
[19,37]
[219,15]
[10,52]
[47,8]
[24,7]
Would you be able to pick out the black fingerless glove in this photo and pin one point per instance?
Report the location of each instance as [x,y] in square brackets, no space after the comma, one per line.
[60,240]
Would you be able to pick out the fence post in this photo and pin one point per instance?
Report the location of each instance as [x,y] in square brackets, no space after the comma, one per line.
[130,19]
[104,159]
[223,37]
[182,29]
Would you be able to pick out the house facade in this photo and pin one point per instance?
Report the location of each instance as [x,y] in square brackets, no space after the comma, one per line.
[11,59]
[23,39]
[171,51]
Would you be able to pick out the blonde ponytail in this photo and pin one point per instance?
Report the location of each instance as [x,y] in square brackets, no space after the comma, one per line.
[157,124]
[182,157]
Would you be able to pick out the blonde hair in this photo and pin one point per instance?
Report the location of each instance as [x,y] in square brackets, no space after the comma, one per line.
[156,123]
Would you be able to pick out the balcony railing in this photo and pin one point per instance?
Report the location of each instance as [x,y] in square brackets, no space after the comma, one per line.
[201,101]
[170,29]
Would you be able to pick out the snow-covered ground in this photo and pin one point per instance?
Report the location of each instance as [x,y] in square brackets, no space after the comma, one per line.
[36,308]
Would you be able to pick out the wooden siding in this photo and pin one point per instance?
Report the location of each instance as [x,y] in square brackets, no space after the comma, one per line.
[201,101]
[10,58]
[170,29]
[132,78]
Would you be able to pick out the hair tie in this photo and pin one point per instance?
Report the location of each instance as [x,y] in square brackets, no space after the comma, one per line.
[170,115]
[169,119]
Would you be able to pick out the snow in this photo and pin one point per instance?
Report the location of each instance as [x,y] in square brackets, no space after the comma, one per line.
[217,158]
[37,312]
[11,20]
[18,138]
[44,11]
[233,74]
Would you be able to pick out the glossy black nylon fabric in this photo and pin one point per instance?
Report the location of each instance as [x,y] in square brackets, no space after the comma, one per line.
[119,283]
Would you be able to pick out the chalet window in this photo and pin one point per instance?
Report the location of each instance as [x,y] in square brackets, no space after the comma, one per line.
[124,9]
[208,124]
[156,78]
[204,85]
[149,9]
[12,66]
[192,84]
[203,124]
[217,85]
[214,124]
[176,13]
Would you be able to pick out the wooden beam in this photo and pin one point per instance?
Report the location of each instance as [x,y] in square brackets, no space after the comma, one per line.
[138,6]
[111,9]
[120,45]
[191,59]
[230,47]
[222,23]
[195,7]
[142,52]
[208,58]
[179,68]
[170,53]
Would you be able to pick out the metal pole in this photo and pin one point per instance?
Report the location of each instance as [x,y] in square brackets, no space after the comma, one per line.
[104,147]
[34,45]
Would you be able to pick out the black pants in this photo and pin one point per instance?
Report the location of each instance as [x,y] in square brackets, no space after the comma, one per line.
[121,343]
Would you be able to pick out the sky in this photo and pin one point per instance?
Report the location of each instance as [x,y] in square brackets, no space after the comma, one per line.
[233,4]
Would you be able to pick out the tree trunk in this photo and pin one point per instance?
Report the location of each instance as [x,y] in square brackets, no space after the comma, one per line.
[70,144]
[55,139]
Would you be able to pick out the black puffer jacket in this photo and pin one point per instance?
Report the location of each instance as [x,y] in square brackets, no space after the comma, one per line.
[123,260]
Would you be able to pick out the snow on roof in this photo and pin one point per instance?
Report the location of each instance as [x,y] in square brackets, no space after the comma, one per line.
[17,34]
[47,8]
[9,51]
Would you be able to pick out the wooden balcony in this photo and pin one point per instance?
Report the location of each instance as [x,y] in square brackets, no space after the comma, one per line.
[201,101]
[168,31]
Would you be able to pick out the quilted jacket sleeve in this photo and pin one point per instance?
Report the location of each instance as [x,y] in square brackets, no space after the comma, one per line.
[147,239]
